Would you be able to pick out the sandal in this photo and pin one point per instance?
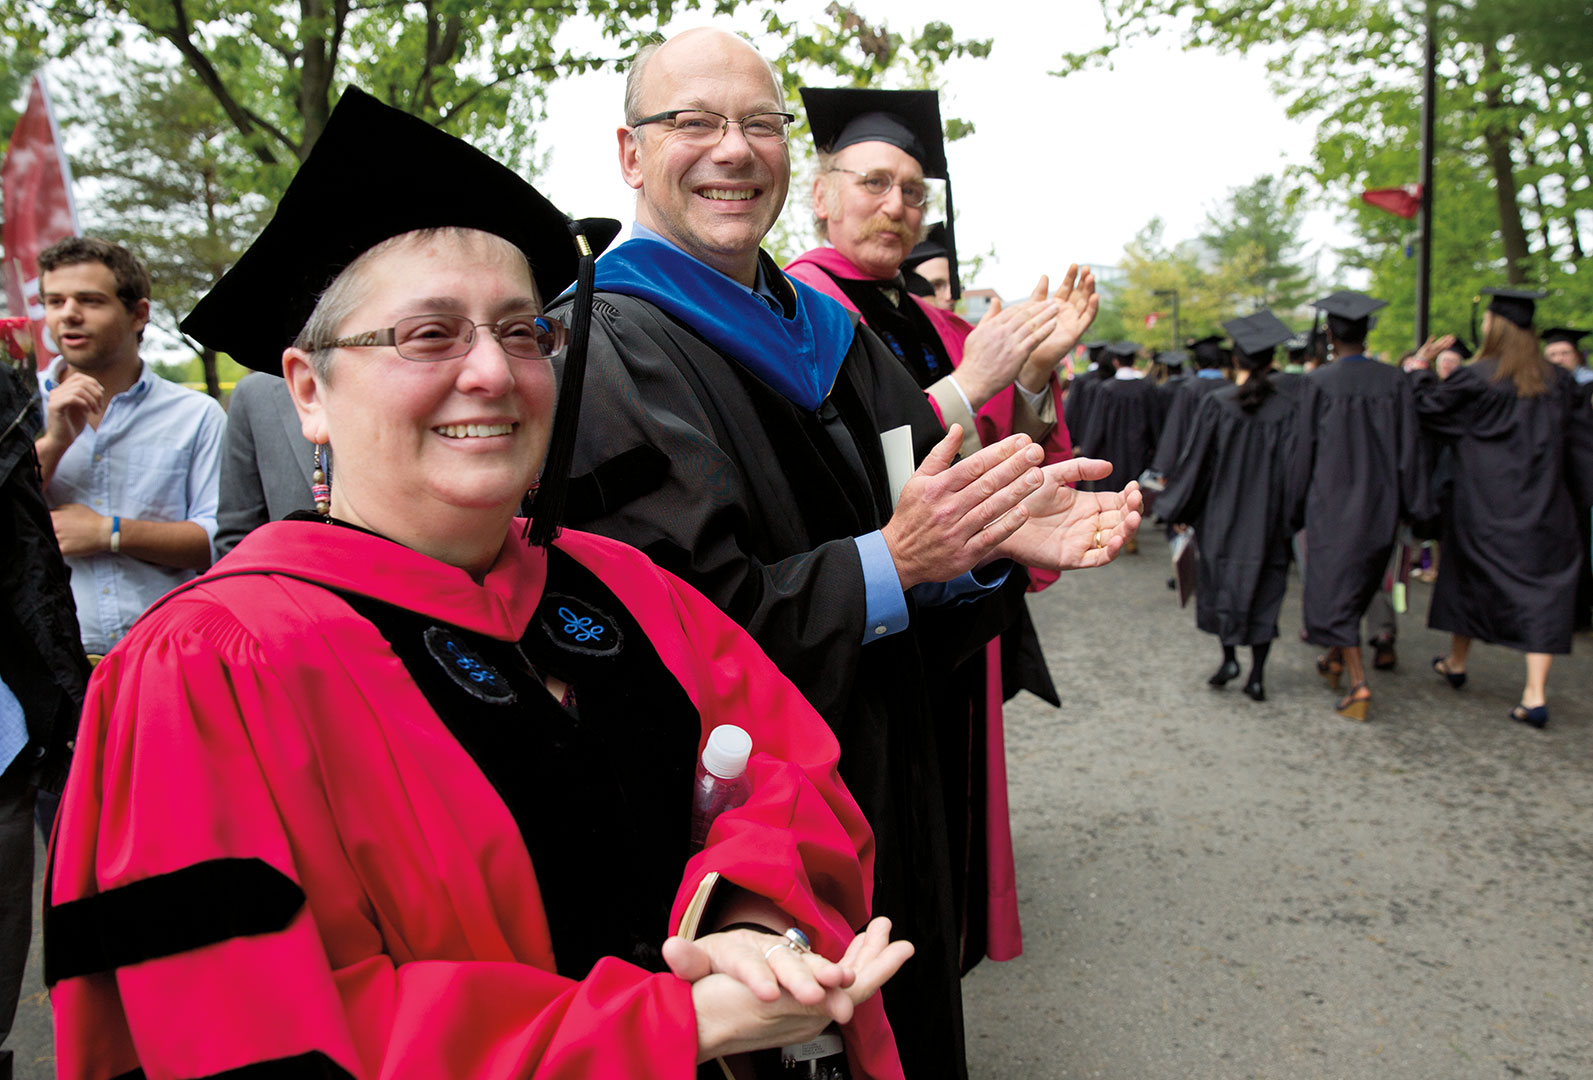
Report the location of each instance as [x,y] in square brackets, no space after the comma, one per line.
[1457,679]
[1354,708]
[1537,716]
[1331,670]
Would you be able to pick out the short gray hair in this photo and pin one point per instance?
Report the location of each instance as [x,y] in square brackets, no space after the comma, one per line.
[351,288]
[633,79]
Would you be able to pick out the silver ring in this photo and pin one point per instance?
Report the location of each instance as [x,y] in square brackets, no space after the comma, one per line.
[781,944]
[798,941]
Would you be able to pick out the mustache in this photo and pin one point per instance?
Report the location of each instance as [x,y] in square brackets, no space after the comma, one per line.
[879,226]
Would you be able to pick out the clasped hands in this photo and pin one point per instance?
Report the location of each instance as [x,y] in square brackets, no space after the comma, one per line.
[1000,503]
[751,992]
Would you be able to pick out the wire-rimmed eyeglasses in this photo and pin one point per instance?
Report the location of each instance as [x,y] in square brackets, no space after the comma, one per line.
[915,193]
[428,338]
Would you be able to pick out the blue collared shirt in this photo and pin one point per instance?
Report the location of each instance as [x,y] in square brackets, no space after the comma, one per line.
[1208,373]
[156,456]
[885,605]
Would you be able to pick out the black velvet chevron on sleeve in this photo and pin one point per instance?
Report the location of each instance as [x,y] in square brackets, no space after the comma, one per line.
[162,916]
[312,1066]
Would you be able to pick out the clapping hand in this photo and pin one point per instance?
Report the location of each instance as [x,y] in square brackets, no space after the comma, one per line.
[1078,304]
[1067,529]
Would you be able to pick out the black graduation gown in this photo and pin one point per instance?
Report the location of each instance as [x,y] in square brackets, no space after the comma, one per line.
[1168,391]
[1076,409]
[1358,469]
[1231,483]
[1124,422]
[1524,469]
[754,500]
[1180,414]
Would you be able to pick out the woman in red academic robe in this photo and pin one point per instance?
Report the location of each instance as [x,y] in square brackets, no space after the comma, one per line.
[391,792]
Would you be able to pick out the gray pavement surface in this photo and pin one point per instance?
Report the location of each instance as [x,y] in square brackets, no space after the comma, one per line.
[1212,887]
[1221,889]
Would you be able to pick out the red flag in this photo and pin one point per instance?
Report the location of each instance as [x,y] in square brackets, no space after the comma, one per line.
[1151,319]
[37,185]
[1405,201]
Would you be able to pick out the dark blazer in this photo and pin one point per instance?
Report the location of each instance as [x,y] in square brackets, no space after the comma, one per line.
[265,463]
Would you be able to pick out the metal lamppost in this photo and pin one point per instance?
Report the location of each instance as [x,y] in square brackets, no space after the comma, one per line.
[1174,294]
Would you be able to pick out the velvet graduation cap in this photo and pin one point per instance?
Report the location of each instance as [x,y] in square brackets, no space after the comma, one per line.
[349,196]
[1566,334]
[1349,314]
[1517,305]
[906,119]
[935,245]
[1208,351]
[1259,334]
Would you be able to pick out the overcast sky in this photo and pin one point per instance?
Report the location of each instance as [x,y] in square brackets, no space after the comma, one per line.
[1058,170]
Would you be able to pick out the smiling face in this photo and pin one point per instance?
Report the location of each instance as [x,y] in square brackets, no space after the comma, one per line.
[716,202]
[876,232]
[93,330]
[426,445]
[1562,354]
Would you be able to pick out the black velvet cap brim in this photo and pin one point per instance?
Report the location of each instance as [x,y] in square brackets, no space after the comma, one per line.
[375,173]
[1517,305]
[1564,333]
[936,245]
[1348,305]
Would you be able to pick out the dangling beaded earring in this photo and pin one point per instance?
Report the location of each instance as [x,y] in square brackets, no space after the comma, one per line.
[320,490]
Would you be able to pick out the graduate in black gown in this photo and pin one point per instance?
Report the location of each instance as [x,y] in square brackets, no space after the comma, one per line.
[1358,470]
[1210,357]
[1522,437]
[1231,483]
[1124,421]
[1082,388]
[1562,346]
[1173,363]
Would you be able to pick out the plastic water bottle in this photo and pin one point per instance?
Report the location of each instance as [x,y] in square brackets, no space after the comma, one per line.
[721,782]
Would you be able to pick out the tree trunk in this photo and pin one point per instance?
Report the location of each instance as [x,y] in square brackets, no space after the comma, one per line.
[315,80]
[1496,135]
[207,357]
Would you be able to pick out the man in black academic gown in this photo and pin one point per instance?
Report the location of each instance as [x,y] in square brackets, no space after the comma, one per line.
[1125,419]
[732,429]
[1359,469]
[931,270]
[1083,386]
[1210,357]
[1173,363]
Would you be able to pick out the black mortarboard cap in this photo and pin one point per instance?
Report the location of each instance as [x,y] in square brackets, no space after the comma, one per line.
[1174,358]
[1123,348]
[1349,313]
[347,197]
[1564,333]
[1256,334]
[1517,305]
[935,245]
[906,119]
[1460,347]
[1298,346]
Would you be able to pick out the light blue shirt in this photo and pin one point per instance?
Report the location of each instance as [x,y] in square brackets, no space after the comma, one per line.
[156,456]
[13,727]
[885,605]
[1208,373]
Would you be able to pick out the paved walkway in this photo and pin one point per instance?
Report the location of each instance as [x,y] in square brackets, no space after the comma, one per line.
[1216,888]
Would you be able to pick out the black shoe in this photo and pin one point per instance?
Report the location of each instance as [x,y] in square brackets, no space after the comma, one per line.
[1383,658]
[1255,691]
[1537,716]
[1457,679]
[1225,674]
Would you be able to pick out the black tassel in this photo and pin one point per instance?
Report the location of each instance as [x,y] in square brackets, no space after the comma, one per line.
[548,504]
[1475,300]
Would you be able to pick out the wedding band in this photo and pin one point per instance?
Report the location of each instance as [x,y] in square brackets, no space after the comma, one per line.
[1098,538]
[782,944]
[798,941]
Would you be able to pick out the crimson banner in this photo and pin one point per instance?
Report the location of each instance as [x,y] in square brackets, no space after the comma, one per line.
[1405,201]
[36,182]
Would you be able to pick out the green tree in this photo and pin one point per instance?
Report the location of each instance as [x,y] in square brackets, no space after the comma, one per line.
[1254,239]
[1514,106]
[170,182]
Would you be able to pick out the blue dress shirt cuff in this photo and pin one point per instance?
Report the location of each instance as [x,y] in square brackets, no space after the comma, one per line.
[960,590]
[885,605]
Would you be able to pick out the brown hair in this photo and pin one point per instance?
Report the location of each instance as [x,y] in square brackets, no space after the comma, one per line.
[1519,356]
[132,280]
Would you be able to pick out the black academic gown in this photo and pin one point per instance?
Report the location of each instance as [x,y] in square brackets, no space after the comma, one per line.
[755,501]
[1524,470]
[1358,469]
[1124,422]
[1167,391]
[1231,483]
[1076,409]
[1180,414]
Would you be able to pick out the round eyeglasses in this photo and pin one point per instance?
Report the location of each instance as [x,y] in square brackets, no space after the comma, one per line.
[702,126]
[427,338]
[915,193]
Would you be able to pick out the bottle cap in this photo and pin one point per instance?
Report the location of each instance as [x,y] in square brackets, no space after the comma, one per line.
[727,751]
